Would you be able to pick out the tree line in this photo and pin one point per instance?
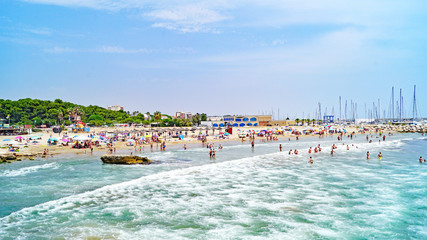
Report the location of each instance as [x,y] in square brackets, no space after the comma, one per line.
[44,112]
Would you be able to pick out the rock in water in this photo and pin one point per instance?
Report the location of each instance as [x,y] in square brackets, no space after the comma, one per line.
[124,159]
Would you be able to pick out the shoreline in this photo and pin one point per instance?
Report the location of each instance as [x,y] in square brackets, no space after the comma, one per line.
[36,151]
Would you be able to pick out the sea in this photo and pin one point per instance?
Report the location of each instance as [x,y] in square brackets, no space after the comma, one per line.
[244,193]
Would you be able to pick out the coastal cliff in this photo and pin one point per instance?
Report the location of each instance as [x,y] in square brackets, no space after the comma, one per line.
[124,159]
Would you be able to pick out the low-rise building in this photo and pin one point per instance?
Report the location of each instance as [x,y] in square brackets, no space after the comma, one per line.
[183,115]
[244,121]
[115,108]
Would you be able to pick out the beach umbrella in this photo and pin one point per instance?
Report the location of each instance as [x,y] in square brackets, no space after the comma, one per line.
[7,139]
[53,139]
[221,133]
[13,143]
[81,138]
[181,136]
[226,134]
[18,137]
[65,140]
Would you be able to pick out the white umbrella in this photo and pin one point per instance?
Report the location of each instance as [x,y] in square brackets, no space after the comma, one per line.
[13,142]
[81,138]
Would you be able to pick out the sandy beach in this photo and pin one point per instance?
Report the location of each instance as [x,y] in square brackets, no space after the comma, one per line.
[31,148]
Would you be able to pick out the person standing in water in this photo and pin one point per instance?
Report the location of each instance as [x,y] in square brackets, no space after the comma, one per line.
[280,147]
[367,155]
[380,155]
[311,160]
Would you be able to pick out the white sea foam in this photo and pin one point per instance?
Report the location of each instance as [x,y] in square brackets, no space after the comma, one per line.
[27,170]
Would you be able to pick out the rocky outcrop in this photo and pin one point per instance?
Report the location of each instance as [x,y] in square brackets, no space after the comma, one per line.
[124,159]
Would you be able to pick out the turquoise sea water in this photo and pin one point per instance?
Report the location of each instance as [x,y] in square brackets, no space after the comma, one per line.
[242,194]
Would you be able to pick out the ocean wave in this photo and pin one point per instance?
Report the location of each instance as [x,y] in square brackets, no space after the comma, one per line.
[27,170]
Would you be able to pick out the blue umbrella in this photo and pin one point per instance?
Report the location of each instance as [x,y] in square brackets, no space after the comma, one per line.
[7,139]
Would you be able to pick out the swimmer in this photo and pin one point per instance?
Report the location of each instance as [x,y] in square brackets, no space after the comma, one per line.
[421,159]
[380,155]
[296,152]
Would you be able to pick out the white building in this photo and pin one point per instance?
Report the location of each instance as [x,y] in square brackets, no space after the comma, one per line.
[116,108]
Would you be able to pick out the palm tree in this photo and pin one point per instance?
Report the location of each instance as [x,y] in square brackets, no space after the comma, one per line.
[148,116]
[157,115]
[60,116]
[297,121]
[75,112]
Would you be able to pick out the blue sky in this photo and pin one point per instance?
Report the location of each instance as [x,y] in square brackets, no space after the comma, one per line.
[218,57]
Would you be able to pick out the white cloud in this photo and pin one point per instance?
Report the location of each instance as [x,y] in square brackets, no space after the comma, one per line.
[116,49]
[190,18]
[40,31]
[59,50]
[102,49]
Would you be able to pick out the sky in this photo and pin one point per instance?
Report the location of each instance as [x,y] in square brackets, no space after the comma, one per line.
[216,57]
